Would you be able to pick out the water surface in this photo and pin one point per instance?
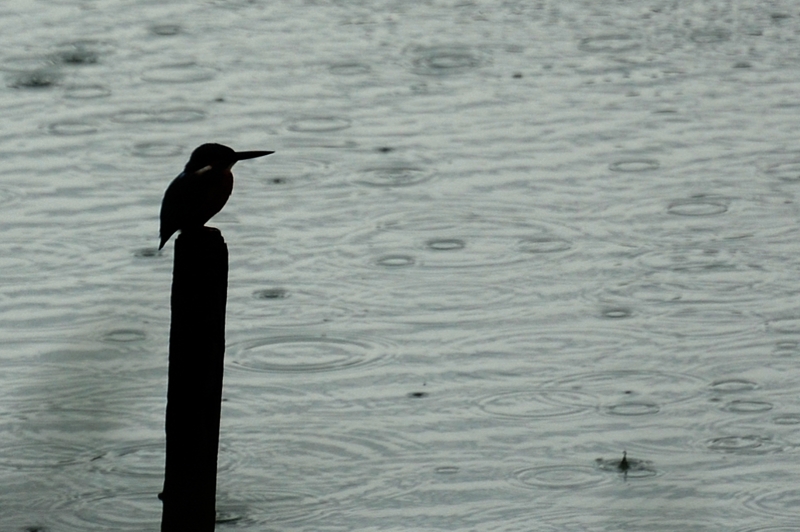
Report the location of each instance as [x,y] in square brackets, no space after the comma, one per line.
[498,244]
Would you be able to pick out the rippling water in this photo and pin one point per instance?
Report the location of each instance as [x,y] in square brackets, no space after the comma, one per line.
[499,243]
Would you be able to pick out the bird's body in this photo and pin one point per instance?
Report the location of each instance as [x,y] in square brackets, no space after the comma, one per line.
[201,190]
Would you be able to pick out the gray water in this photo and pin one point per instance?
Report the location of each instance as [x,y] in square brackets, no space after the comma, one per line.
[500,243]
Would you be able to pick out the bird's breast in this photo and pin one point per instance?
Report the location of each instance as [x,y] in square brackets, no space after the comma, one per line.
[218,190]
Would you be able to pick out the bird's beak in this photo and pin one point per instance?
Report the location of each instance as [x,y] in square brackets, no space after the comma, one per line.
[242,155]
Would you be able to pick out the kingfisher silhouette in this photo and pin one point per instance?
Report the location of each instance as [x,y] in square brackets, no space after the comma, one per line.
[202,189]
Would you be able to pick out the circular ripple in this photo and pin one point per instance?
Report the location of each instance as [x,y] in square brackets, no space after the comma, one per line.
[318,124]
[538,404]
[784,171]
[295,171]
[395,261]
[615,43]
[188,72]
[69,128]
[786,347]
[86,92]
[446,299]
[710,35]
[497,235]
[543,244]
[691,277]
[633,408]
[51,455]
[290,307]
[729,270]
[140,461]
[316,451]
[110,511]
[165,30]
[350,69]
[79,412]
[741,406]
[301,353]
[444,60]
[157,149]
[699,322]
[668,387]
[634,165]
[787,419]
[267,506]
[783,502]
[446,244]
[394,176]
[733,386]
[558,477]
[175,115]
[697,207]
[617,313]
[125,336]
[787,325]
[744,444]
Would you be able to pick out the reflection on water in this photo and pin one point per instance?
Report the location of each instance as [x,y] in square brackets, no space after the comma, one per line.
[499,244]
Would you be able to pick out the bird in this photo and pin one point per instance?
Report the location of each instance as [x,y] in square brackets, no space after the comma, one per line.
[202,189]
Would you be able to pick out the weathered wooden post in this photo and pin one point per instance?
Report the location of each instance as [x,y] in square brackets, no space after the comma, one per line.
[194,390]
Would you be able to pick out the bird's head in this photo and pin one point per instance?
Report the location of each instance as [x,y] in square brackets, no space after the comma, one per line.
[218,156]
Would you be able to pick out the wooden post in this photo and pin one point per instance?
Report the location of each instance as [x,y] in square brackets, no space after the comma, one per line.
[194,390]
